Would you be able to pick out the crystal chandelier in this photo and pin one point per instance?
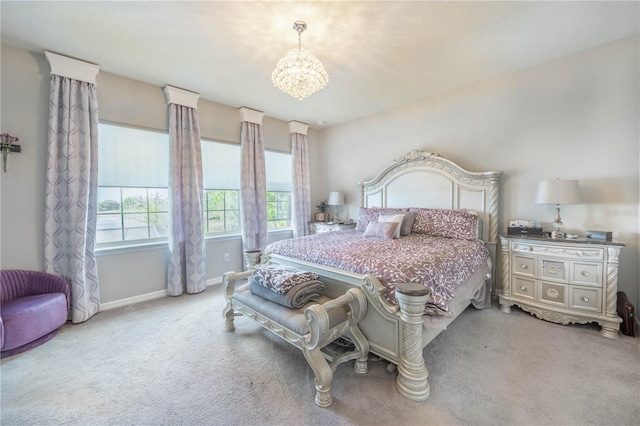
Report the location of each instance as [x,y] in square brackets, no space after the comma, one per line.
[299,73]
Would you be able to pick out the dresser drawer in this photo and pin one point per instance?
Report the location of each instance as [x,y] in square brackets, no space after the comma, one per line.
[586,299]
[554,294]
[554,270]
[524,287]
[586,273]
[552,250]
[524,265]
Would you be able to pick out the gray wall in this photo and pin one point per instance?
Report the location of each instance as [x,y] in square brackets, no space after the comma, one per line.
[573,118]
[132,273]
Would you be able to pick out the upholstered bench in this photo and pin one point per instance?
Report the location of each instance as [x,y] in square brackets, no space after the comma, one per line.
[309,328]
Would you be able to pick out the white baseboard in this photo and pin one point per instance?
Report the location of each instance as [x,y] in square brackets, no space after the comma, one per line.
[132,300]
[146,297]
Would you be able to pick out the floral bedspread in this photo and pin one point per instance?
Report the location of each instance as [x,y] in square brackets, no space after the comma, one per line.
[441,264]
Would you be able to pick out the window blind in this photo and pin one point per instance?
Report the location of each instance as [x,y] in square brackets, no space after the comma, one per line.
[132,157]
[279,171]
[220,165]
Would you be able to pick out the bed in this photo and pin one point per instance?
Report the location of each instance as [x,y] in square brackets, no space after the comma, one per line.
[401,319]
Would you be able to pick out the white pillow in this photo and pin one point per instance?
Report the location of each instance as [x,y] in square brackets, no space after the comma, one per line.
[392,218]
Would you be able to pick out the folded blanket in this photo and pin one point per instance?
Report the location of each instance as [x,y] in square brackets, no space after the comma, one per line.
[296,297]
[280,278]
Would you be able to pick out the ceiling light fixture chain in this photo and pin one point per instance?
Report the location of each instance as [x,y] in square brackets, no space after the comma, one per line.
[299,73]
[300,27]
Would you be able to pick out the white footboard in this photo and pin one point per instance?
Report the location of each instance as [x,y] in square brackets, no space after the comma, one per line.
[394,333]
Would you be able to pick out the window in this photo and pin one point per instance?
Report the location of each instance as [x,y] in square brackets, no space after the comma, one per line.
[221,175]
[133,186]
[222,210]
[278,209]
[133,195]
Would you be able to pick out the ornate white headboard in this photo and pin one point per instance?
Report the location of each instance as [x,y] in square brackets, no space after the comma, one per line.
[425,179]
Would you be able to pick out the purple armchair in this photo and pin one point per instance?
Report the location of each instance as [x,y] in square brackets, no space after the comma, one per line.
[33,305]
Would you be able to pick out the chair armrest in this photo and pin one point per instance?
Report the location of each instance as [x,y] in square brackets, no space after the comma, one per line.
[44,283]
[229,281]
[1,332]
[353,301]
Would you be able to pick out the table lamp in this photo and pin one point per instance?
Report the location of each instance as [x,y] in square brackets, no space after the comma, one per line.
[558,192]
[336,199]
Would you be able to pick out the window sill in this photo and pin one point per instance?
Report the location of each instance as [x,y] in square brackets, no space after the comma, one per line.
[126,248]
[156,245]
[280,231]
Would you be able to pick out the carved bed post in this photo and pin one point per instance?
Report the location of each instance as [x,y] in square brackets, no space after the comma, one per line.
[505,274]
[610,328]
[412,373]
[492,238]
[493,208]
[361,190]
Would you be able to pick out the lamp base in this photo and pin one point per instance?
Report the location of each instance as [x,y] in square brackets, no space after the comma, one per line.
[557,224]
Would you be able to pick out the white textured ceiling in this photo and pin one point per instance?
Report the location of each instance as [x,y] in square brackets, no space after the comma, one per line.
[379,55]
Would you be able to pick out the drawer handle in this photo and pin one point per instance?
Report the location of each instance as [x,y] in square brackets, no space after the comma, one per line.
[523,288]
[585,273]
[523,266]
[585,299]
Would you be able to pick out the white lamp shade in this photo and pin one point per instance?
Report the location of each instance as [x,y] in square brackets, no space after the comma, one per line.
[558,192]
[335,199]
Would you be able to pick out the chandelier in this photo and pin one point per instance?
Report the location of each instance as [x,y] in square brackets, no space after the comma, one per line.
[299,73]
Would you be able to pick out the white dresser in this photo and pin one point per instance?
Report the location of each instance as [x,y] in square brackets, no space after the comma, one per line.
[563,281]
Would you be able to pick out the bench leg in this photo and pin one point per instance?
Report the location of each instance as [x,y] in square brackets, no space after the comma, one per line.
[229,281]
[324,376]
[361,365]
[229,315]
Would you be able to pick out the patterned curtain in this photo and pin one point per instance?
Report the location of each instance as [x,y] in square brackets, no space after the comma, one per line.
[301,184]
[253,189]
[71,192]
[187,266]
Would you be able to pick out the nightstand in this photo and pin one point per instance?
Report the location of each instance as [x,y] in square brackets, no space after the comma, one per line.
[563,281]
[318,227]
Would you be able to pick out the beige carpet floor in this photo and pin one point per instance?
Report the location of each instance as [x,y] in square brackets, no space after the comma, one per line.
[169,362]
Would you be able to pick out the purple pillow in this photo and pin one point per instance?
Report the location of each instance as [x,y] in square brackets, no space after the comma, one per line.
[370,214]
[459,224]
[382,230]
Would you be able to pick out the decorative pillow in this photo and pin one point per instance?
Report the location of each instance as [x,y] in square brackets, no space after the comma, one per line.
[393,218]
[459,224]
[370,214]
[382,230]
[407,223]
